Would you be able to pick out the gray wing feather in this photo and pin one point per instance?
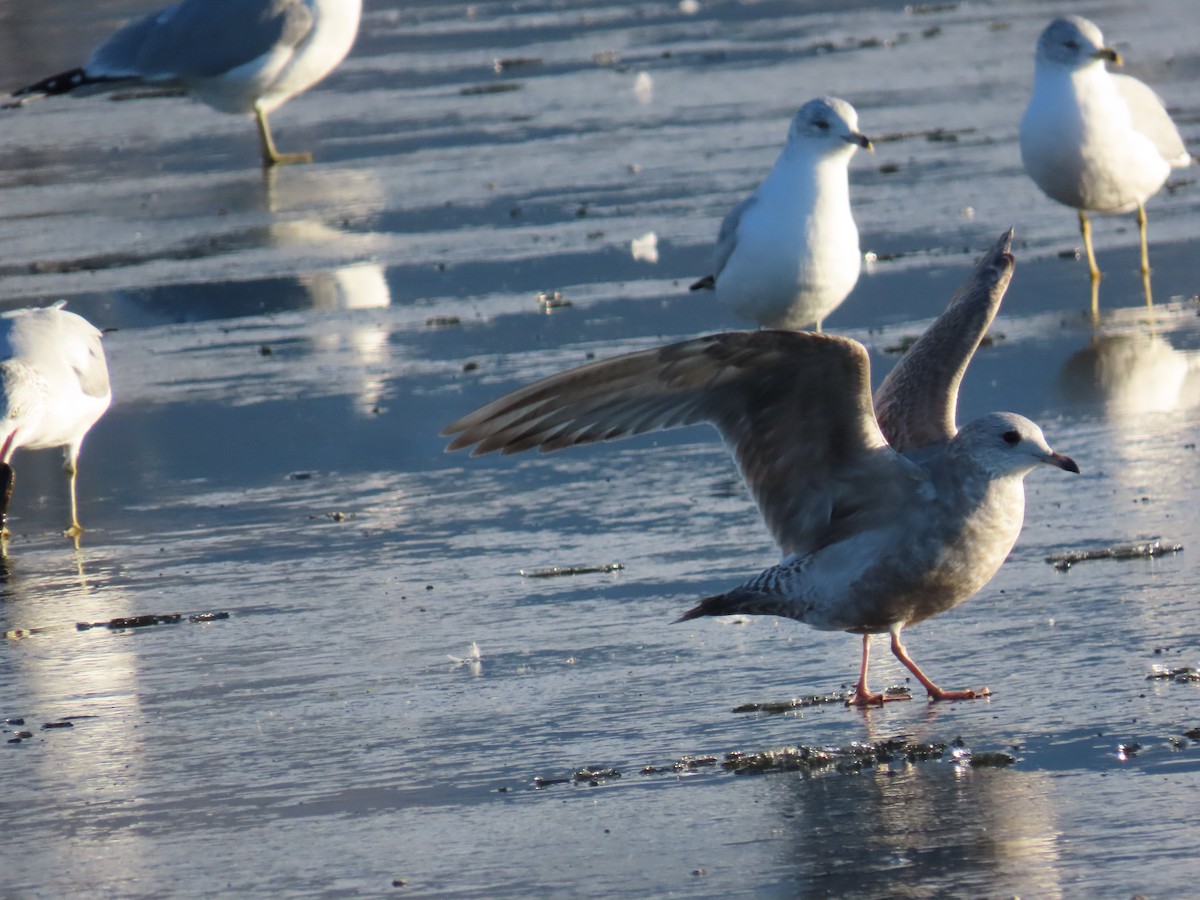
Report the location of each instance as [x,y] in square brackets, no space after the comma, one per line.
[727,235]
[54,338]
[92,369]
[794,409]
[200,38]
[1151,119]
[916,402]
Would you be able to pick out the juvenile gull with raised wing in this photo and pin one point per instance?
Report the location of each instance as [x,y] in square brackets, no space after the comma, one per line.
[1092,139]
[238,56]
[875,537]
[787,255]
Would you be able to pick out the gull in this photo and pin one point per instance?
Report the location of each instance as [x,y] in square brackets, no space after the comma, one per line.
[238,56]
[1092,139]
[878,529]
[787,255]
[53,388]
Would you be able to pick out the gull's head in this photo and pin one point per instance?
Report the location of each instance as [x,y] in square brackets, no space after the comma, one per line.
[1005,444]
[827,125]
[1073,42]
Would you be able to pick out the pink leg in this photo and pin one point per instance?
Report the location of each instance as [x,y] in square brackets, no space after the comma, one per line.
[862,695]
[935,692]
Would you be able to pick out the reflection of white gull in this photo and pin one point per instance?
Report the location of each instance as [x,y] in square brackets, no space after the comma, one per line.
[1091,139]
[360,285]
[53,388]
[238,56]
[356,285]
[1133,373]
[873,539]
[787,255]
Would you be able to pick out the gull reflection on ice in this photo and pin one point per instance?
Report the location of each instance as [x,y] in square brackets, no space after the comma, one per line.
[1131,373]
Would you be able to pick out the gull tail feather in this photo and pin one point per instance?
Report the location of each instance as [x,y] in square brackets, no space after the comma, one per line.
[707,283]
[739,601]
[62,83]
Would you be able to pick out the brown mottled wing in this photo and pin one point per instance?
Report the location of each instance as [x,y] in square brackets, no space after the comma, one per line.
[794,408]
[916,403]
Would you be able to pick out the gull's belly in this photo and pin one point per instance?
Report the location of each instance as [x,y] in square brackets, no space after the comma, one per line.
[787,274]
[1083,158]
[912,576]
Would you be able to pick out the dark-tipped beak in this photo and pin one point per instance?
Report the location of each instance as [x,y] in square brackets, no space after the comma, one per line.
[1110,54]
[859,140]
[1063,462]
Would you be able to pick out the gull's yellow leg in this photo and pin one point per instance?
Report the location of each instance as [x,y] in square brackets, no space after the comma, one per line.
[1141,233]
[1085,228]
[1095,301]
[271,156]
[76,529]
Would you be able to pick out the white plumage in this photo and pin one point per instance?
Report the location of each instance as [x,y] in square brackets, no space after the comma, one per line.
[788,255]
[1091,139]
[53,388]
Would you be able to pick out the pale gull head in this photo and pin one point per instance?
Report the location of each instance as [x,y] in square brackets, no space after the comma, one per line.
[826,125]
[1005,445]
[1072,42]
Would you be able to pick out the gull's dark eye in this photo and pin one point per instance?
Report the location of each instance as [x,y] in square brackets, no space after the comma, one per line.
[822,124]
[1071,45]
[1011,437]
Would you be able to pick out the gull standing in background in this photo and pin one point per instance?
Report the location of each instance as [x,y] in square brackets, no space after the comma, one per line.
[1091,139]
[53,388]
[238,56]
[877,533]
[788,255]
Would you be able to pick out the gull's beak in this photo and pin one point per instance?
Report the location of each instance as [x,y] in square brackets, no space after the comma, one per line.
[1110,54]
[1063,462]
[859,140]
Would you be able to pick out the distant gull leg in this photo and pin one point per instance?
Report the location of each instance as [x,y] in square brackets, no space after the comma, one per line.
[1141,233]
[72,455]
[271,156]
[1085,229]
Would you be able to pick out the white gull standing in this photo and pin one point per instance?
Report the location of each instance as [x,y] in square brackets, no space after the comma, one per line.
[53,388]
[787,255]
[1092,139]
[238,56]
[875,536]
